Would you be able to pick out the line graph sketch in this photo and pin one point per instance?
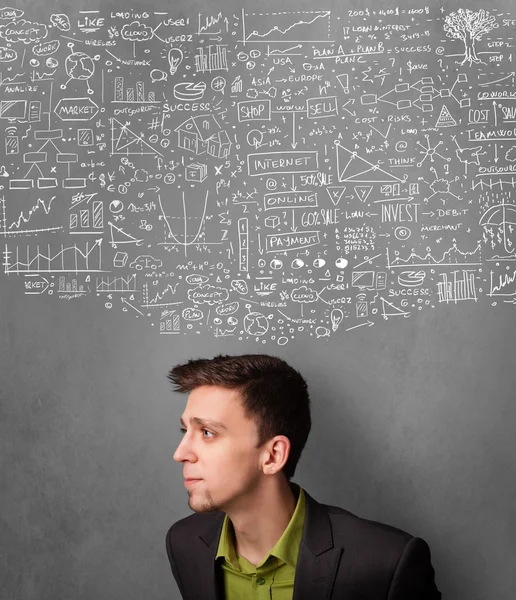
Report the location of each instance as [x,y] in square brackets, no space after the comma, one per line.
[15,227]
[302,27]
[160,299]
[43,259]
[502,284]
[451,257]
[109,285]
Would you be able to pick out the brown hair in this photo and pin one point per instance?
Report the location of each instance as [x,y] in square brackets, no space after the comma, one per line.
[272,392]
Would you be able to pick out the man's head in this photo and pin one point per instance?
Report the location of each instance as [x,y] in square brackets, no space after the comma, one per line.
[263,410]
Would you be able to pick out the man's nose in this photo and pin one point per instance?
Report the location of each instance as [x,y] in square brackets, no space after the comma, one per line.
[183,451]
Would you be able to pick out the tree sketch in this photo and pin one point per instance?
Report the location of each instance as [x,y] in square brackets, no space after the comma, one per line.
[469,26]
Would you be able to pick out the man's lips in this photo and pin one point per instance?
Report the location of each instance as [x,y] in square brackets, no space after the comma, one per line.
[189,481]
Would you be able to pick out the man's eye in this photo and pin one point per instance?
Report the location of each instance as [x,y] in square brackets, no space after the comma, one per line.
[183,430]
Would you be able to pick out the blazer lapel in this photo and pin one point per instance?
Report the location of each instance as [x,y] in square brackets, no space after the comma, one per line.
[318,558]
[317,562]
[211,587]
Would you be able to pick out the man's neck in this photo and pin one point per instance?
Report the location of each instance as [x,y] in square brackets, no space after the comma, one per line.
[265,519]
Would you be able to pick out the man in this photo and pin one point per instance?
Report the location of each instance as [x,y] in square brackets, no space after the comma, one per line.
[255,534]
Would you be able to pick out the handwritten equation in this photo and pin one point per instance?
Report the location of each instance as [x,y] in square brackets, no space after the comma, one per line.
[260,175]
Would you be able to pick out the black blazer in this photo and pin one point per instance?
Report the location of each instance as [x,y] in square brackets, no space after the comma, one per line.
[341,557]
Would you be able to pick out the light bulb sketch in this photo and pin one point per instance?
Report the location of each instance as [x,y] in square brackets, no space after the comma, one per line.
[175,58]
[336,318]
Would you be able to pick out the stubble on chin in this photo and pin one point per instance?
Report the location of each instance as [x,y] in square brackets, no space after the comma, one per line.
[206,506]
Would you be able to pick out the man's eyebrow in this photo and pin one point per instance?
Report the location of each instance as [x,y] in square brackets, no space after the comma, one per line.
[205,423]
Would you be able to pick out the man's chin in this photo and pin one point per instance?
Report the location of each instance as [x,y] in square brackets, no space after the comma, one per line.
[201,507]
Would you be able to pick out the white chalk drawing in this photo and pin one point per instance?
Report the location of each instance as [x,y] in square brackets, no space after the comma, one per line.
[79,67]
[273,176]
[469,27]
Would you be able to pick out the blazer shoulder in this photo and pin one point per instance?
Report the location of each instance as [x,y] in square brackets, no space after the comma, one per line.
[346,523]
[391,555]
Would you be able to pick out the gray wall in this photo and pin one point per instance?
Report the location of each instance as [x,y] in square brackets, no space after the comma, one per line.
[412,425]
[413,418]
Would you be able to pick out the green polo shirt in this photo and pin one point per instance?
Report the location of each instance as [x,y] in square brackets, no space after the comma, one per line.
[273,578]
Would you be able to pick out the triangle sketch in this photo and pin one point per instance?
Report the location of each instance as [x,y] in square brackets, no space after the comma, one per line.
[390,310]
[121,143]
[351,167]
[363,191]
[119,236]
[335,192]
[445,119]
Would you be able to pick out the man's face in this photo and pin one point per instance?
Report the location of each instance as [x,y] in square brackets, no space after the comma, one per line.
[223,457]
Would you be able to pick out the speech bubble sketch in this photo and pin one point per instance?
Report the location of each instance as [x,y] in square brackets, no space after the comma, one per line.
[158,75]
[61,21]
[23,31]
[7,54]
[10,13]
